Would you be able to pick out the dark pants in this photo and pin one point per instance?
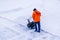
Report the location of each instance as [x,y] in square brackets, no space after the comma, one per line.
[37,26]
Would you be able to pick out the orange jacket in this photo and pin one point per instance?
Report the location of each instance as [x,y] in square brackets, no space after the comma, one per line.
[36,16]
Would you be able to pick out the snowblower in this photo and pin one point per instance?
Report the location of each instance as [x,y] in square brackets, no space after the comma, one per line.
[30,25]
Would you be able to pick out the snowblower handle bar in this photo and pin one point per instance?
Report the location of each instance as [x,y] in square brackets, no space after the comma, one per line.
[28,20]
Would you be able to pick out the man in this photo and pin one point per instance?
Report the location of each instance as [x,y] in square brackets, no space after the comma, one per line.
[36,18]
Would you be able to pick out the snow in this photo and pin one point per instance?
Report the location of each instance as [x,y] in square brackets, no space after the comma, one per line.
[51,16]
[14,15]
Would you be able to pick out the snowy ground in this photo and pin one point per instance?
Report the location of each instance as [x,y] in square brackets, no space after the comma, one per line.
[12,31]
[14,15]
